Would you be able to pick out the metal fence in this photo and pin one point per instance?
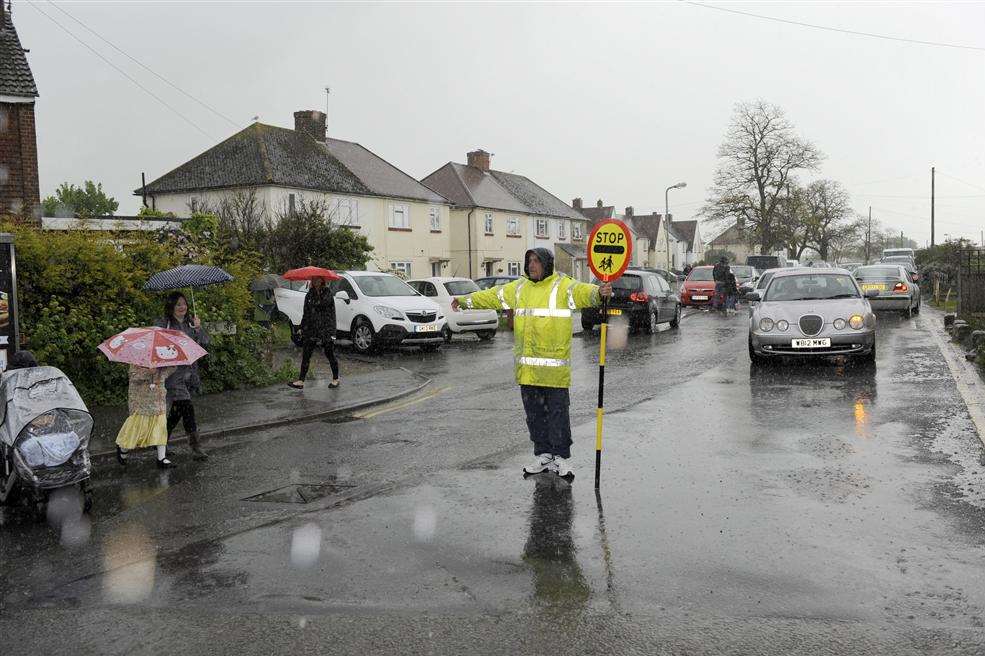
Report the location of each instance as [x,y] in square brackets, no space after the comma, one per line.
[971,282]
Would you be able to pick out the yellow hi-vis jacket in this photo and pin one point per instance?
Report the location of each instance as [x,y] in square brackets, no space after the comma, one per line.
[541,323]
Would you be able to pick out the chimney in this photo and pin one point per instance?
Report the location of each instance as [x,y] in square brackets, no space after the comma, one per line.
[629,212]
[310,122]
[599,203]
[479,159]
[576,203]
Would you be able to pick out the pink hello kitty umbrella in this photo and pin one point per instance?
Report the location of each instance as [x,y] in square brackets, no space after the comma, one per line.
[152,348]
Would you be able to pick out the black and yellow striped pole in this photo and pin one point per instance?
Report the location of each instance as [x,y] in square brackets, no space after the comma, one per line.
[601,407]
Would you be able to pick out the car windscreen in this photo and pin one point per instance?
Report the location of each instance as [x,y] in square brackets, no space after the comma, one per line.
[701,275]
[764,280]
[741,271]
[811,287]
[461,287]
[876,272]
[383,286]
[628,283]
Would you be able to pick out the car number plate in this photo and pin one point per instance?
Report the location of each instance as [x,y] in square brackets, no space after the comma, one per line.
[615,313]
[824,342]
[430,328]
[700,298]
[877,287]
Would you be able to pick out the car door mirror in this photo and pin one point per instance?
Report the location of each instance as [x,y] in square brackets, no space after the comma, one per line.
[752,297]
[871,293]
[342,296]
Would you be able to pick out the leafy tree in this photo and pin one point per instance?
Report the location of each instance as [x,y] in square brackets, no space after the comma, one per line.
[759,158]
[84,202]
[308,236]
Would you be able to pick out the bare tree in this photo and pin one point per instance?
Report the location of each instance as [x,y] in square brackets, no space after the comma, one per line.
[758,159]
[243,218]
[795,228]
[829,215]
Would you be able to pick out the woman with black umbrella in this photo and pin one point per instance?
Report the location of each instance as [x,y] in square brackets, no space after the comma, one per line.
[184,380]
[318,327]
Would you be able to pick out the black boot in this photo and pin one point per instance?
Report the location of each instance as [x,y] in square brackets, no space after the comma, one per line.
[196,449]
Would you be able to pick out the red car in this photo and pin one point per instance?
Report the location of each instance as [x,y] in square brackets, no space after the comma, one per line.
[699,287]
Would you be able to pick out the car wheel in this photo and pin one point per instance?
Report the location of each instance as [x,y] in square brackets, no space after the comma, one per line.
[446,333]
[363,338]
[916,310]
[870,357]
[754,358]
[908,312]
[296,335]
[650,322]
[676,321]
[586,324]
[486,335]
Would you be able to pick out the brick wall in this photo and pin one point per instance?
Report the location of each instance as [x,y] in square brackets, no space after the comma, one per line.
[19,190]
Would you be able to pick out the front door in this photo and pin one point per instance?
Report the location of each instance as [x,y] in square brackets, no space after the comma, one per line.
[488,269]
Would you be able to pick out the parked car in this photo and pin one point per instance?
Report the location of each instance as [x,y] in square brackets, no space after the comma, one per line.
[812,313]
[744,275]
[441,290]
[493,281]
[644,298]
[699,287]
[896,288]
[907,262]
[373,310]
[672,278]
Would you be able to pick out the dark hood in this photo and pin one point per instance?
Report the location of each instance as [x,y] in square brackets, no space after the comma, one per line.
[546,258]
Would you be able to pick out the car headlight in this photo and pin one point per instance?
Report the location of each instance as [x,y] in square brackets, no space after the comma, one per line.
[388,312]
[782,325]
[766,325]
[839,324]
[856,321]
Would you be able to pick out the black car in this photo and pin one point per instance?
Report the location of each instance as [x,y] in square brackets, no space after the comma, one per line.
[672,278]
[493,281]
[644,298]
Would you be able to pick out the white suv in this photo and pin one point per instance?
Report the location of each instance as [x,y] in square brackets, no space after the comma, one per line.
[442,290]
[373,310]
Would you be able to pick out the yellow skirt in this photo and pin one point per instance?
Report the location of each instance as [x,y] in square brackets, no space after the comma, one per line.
[143,430]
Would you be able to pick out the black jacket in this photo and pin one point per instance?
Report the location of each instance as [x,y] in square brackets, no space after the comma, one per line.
[318,321]
[719,272]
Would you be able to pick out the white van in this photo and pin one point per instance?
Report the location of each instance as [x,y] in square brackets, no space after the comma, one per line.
[373,310]
[894,252]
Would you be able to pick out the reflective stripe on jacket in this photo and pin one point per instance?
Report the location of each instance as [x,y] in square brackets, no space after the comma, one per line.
[541,324]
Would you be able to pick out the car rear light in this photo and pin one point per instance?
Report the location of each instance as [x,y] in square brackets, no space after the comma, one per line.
[639,297]
[901,288]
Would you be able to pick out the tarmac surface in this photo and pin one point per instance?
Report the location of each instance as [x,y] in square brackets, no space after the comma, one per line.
[809,508]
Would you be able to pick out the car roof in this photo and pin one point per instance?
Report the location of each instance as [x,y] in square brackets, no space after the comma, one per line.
[356,274]
[441,279]
[825,271]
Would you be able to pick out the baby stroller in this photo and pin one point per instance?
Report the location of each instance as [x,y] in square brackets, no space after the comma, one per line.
[44,437]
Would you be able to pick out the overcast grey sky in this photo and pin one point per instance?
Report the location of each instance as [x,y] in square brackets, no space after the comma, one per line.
[612,101]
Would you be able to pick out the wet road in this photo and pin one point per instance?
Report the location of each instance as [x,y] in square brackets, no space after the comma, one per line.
[819,508]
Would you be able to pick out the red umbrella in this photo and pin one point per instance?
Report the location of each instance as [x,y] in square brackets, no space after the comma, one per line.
[152,348]
[309,272]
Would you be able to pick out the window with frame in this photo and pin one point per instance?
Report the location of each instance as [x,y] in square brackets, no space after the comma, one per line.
[434,214]
[400,217]
[513,268]
[541,227]
[344,211]
[576,231]
[562,231]
[401,268]
[489,224]
[513,226]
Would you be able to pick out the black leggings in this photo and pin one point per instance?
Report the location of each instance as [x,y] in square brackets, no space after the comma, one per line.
[185,412]
[309,348]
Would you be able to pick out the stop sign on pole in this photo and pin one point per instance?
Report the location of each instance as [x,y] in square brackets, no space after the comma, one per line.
[610,249]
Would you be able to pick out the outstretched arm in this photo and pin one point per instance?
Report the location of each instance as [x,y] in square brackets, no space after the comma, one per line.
[495,298]
[588,295]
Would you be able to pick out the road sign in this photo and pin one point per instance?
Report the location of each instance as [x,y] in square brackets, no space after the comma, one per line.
[610,248]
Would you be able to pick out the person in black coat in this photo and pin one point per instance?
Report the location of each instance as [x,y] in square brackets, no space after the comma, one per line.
[318,327]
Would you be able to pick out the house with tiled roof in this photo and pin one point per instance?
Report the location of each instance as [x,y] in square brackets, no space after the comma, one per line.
[497,216]
[407,223]
[640,226]
[690,235]
[19,190]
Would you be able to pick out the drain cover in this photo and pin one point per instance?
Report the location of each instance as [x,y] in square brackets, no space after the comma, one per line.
[299,493]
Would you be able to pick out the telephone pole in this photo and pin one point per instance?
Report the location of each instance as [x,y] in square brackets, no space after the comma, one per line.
[932,175]
[868,236]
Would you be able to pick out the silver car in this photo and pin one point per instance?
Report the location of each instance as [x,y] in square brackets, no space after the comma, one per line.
[812,312]
[895,287]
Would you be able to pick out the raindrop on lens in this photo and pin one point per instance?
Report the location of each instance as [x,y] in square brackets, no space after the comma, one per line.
[425,521]
[305,545]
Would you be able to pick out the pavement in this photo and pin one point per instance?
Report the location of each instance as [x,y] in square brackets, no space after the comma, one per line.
[226,415]
[808,508]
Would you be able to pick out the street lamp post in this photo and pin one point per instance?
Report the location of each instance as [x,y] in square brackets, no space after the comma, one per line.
[679,185]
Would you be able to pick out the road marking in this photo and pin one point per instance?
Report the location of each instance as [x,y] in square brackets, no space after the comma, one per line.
[965,376]
[400,406]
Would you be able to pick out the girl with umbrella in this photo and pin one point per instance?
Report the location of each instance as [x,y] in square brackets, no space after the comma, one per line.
[185,379]
[318,320]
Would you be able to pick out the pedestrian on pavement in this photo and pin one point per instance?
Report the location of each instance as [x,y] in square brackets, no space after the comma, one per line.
[185,380]
[731,293]
[318,327]
[720,273]
[542,301]
[687,270]
[147,424]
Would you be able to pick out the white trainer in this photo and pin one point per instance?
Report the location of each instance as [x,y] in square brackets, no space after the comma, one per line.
[562,467]
[542,463]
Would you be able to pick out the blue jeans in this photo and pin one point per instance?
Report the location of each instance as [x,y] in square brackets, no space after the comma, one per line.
[719,295]
[548,419]
[730,302]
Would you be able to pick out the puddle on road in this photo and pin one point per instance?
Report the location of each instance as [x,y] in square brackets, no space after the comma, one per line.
[299,493]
